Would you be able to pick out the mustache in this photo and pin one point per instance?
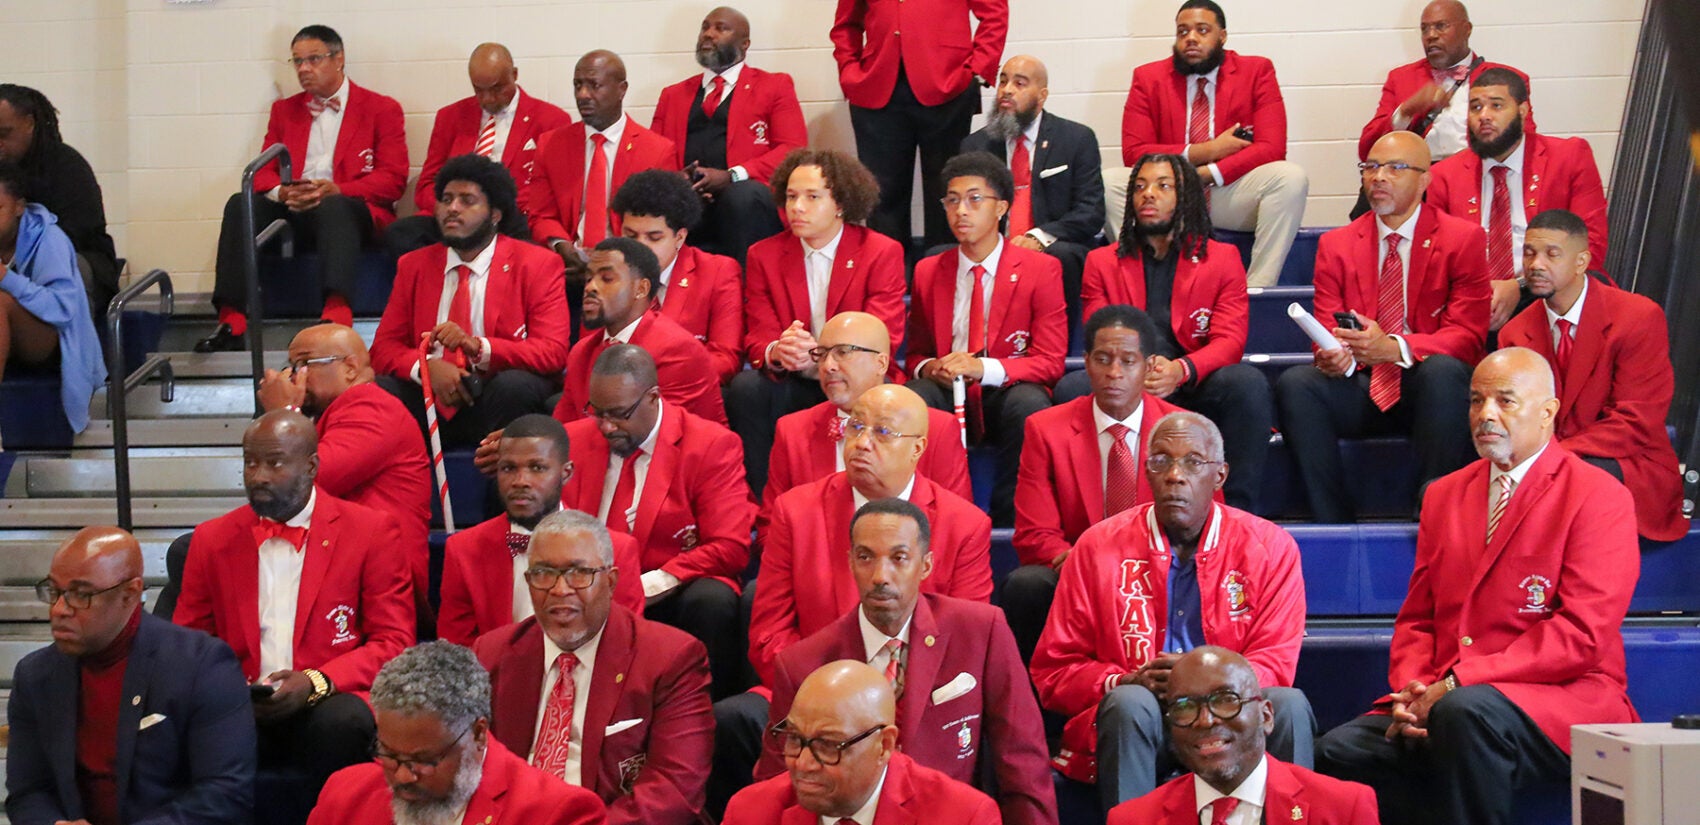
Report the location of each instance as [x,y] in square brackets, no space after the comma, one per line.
[1490,428]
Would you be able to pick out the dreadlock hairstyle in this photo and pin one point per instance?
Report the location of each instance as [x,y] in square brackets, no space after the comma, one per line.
[35,105]
[1191,223]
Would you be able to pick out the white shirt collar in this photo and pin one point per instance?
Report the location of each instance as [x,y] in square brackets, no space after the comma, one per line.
[963,265]
[667,274]
[1406,230]
[860,500]
[586,652]
[506,111]
[1513,161]
[830,249]
[1192,80]
[1574,315]
[1516,472]
[731,74]
[873,638]
[1252,790]
[648,445]
[865,814]
[480,263]
[624,336]
[1102,420]
[614,132]
[341,94]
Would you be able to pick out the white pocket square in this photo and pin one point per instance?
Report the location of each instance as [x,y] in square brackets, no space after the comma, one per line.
[963,683]
[150,720]
[1054,170]
[620,726]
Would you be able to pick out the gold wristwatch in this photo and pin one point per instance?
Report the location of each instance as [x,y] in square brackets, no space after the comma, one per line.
[322,687]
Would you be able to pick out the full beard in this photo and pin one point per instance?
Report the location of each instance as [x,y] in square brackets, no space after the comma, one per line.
[1205,66]
[723,57]
[1005,125]
[448,810]
[474,240]
[1500,145]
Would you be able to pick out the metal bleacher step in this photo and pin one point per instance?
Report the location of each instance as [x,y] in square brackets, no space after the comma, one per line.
[72,513]
[25,555]
[169,432]
[182,333]
[222,398]
[183,471]
[17,640]
[225,364]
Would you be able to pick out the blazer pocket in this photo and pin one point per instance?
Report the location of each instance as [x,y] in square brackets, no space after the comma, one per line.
[626,724]
[150,720]
[955,688]
[1054,170]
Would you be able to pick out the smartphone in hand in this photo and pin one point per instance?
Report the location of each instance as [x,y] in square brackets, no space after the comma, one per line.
[1347,320]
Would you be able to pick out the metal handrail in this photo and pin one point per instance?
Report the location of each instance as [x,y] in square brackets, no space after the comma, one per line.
[251,251]
[119,384]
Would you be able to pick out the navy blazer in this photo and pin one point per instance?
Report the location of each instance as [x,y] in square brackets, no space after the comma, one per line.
[196,765]
[1069,201]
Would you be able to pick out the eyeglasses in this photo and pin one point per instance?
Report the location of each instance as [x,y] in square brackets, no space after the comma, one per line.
[825,751]
[310,60]
[854,428]
[974,199]
[1191,465]
[838,351]
[591,411]
[578,578]
[303,363]
[1370,168]
[1223,704]
[419,766]
[47,594]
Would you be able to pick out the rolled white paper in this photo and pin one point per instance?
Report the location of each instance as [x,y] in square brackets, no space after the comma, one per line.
[1317,333]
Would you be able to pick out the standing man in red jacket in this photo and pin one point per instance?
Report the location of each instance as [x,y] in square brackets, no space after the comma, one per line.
[349,152]
[912,71]
[731,125]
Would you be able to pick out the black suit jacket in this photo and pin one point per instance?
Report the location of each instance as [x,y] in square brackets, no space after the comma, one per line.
[194,765]
[1068,202]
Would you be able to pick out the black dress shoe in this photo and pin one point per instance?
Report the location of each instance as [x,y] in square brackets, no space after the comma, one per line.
[222,340]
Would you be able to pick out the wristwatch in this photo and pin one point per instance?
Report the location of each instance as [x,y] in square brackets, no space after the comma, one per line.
[322,687]
[1451,683]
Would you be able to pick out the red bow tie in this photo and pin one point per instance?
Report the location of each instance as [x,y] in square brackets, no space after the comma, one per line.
[315,105]
[835,429]
[1456,73]
[517,544]
[268,529]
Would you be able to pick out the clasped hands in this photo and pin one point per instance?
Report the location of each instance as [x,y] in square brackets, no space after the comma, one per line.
[444,376]
[1411,707]
[303,195]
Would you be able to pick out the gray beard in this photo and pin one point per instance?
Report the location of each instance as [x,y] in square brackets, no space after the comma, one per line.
[449,810]
[1005,125]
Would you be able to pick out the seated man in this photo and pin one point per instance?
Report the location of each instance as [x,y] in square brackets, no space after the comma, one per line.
[619,297]
[965,701]
[1218,687]
[491,305]
[675,482]
[991,314]
[828,263]
[484,566]
[1135,595]
[308,633]
[1487,184]
[1417,327]
[1223,112]
[700,291]
[596,695]
[1610,351]
[499,121]
[74,752]
[1165,263]
[421,698]
[350,162]
[730,148]
[1081,463]
[845,716]
[1510,634]
[1058,207]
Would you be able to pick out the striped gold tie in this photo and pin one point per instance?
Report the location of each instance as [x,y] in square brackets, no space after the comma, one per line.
[1500,502]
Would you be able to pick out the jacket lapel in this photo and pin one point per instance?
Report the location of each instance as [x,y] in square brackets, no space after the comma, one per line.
[1004,286]
[823,451]
[344,160]
[927,644]
[1418,281]
[839,508]
[1362,291]
[677,296]
[1284,798]
[1181,300]
[1524,497]
[843,270]
[1472,167]
[242,565]
[897,795]
[1585,349]
[661,471]
[944,309]
[430,292]
[608,677]
[590,469]
[520,679]
[519,132]
[496,285]
[487,801]
[1534,167]
[60,702]
[138,674]
[498,586]
[794,282]
[1083,455]
[1151,412]
[319,550]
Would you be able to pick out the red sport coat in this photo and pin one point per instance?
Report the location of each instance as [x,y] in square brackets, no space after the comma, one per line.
[1290,794]
[350,617]
[764,124]
[1446,289]
[705,295]
[365,458]
[1536,612]
[805,562]
[1404,81]
[1159,103]
[1059,489]
[525,309]
[1208,308]
[1028,326]
[654,771]
[867,276]
[939,55]
[803,452]
[992,723]
[478,581]
[679,360]
[455,133]
[370,158]
[555,194]
[695,513]
[1614,398]
[911,794]
[511,792]
[1558,173]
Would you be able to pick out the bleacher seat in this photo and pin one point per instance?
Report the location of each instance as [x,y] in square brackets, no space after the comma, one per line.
[291,285]
[1301,259]
[1271,331]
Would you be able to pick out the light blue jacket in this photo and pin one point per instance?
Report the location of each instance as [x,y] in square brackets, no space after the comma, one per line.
[43,277]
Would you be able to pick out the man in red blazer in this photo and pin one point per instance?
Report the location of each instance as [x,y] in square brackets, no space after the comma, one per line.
[642,733]
[1009,347]
[261,578]
[825,265]
[912,72]
[619,308]
[964,702]
[1219,724]
[730,148]
[422,698]
[1414,280]
[845,717]
[1611,352]
[484,566]
[1222,111]
[675,482]
[700,291]
[1509,176]
[350,165]
[1148,584]
[490,304]
[1509,635]
[499,121]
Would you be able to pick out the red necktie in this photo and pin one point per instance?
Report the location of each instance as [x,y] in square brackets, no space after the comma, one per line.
[1221,809]
[460,312]
[1505,484]
[1121,477]
[623,493]
[894,665]
[550,754]
[1021,168]
[711,101]
[1390,313]
[486,145]
[835,430]
[1562,354]
[268,529]
[315,105]
[1198,129]
[1500,264]
[596,195]
[518,543]
[977,311]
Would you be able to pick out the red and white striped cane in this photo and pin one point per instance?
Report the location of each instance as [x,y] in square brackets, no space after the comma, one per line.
[959,394]
[434,440]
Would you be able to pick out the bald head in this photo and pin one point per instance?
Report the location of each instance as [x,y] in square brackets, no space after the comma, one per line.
[111,549]
[850,691]
[881,466]
[331,359]
[1526,366]
[1030,67]
[599,88]
[494,78]
[1446,33]
[1023,88]
[841,702]
[1233,669]
[1212,739]
[1396,186]
[280,461]
[289,428]
[858,355]
[104,566]
[723,40]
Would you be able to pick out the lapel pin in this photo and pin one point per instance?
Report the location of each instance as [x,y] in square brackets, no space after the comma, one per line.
[929,640]
[135,700]
[505,267]
[619,677]
[1427,241]
[1534,186]
[684,283]
[628,147]
[849,264]
[1535,178]
[1298,814]
[489,819]
[1195,259]
[325,543]
[1044,144]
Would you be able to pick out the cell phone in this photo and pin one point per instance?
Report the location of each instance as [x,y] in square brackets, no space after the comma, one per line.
[473,385]
[261,690]
[1347,320]
[1243,133]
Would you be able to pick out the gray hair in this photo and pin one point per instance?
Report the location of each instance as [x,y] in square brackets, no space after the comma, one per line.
[574,523]
[1212,435]
[440,678]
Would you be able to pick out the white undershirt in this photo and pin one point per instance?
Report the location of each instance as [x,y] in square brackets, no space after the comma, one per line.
[586,654]
[1516,474]
[874,639]
[817,266]
[857,500]
[1251,793]
[1449,133]
[280,591]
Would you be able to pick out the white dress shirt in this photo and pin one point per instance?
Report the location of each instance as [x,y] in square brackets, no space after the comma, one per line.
[504,126]
[1449,134]
[321,139]
[731,75]
[1106,442]
[666,278]
[1514,188]
[522,591]
[1406,232]
[992,371]
[280,591]
[1186,123]
[874,639]
[865,814]
[817,266]
[838,449]
[857,499]
[586,654]
[615,133]
[1250,793]
[1516,474]
[1030,136]
[1574,316]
